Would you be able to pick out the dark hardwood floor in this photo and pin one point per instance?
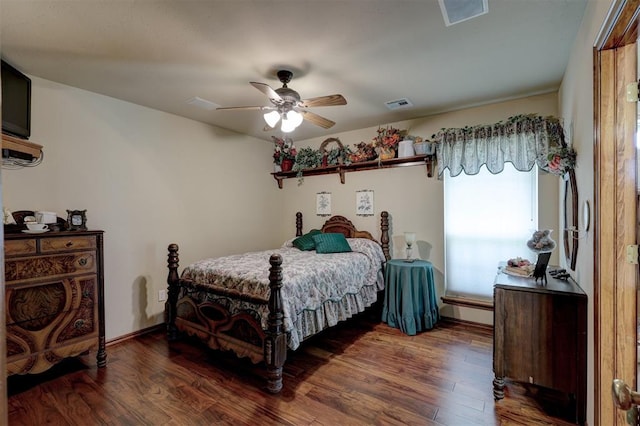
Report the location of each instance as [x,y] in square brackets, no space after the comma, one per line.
[361,372]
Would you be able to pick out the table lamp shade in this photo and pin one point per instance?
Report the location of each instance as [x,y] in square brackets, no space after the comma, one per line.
[410,238]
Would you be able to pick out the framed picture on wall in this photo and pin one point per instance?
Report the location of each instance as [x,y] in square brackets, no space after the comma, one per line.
[323,204]
[364,203]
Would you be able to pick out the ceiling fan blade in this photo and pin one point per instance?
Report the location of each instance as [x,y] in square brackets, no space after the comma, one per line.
[325,123]
[246,107]
[267,90]
[329,100]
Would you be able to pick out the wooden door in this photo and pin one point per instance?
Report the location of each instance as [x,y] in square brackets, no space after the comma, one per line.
[615,58]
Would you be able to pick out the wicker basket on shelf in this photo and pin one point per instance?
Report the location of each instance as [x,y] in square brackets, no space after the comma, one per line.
[325,153]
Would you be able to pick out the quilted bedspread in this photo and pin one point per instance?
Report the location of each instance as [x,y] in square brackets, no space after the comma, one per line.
[318,290]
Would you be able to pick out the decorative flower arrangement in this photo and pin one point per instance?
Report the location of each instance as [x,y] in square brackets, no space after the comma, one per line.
[363,152]
[560,160]
[388,137]
[336,155]
[283,150]
[382,146]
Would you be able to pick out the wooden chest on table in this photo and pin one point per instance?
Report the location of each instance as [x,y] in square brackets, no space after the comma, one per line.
[54,298]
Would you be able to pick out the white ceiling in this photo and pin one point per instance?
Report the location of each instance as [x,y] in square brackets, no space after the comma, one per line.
[161,53]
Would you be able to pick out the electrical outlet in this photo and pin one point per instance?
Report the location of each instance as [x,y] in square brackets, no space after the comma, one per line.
[162,295]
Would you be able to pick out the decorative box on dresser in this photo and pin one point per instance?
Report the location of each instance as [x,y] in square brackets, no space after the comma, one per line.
[540,337]
[54,295]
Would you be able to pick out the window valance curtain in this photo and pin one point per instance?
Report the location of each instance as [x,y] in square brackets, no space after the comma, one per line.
[523,140]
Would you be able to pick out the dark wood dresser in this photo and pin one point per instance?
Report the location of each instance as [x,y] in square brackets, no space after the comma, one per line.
[540,337]
[54,298]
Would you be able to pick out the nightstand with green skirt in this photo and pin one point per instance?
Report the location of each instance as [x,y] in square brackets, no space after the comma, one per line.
[410,302]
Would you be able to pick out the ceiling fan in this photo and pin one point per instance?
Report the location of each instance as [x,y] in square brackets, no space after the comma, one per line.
[289,108]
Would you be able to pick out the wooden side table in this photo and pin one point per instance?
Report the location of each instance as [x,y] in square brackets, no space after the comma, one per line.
[410,302]
[540,337]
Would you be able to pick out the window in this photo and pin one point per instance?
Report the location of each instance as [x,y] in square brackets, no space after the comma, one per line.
[488,219]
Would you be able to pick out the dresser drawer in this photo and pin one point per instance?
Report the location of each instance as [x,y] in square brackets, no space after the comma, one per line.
[34,308]
[76,242]
[78,323]
[22,269]
[24,361]
[19,247]
[48,322]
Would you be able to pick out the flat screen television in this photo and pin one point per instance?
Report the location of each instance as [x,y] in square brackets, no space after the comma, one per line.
[16,102]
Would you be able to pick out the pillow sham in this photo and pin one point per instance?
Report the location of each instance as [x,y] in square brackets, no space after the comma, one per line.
[305,242]
[331,243]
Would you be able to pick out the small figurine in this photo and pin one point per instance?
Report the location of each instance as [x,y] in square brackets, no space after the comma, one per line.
[541,241]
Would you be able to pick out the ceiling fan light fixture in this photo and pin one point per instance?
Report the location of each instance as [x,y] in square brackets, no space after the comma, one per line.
[287,125]
[288,107]
[272,118]
[295,117]
[290,121]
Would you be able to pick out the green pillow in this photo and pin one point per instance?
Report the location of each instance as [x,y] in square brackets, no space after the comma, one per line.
[306,242]
[331,243]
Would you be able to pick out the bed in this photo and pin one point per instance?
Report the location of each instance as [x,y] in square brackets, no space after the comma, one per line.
[262,304]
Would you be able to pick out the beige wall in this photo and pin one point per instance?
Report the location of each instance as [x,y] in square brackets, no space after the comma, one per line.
[147,179]
[576,106]
[414,201]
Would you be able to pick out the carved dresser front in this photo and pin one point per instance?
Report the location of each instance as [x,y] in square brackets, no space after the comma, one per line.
[54,298]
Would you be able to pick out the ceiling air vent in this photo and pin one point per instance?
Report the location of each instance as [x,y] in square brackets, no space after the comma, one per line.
[455,11]
[398,104]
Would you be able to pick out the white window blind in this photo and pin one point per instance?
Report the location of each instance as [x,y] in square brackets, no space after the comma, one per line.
[488,219]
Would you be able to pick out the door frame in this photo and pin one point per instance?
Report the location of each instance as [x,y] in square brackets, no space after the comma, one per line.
[615,199]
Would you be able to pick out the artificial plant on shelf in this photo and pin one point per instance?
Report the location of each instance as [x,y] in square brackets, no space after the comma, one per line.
[387,140]
[307,158]
[338,155]
[284,151]
[363,152]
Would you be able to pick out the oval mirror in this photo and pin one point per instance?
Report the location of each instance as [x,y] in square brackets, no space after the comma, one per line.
[570,219]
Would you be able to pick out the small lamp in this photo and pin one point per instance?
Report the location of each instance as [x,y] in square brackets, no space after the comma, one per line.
[410,239]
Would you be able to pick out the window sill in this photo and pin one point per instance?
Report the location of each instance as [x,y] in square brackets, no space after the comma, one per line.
[468,303]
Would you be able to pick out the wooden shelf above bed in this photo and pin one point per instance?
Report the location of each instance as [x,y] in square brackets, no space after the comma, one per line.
[417,160]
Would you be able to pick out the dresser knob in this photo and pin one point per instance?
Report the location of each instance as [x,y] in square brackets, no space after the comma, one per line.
[78,323]
[82,261]
[69,243]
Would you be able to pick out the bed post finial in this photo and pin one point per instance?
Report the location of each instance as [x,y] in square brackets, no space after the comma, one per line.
[172,280]
[384,239]
[275,343]
[298,224]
